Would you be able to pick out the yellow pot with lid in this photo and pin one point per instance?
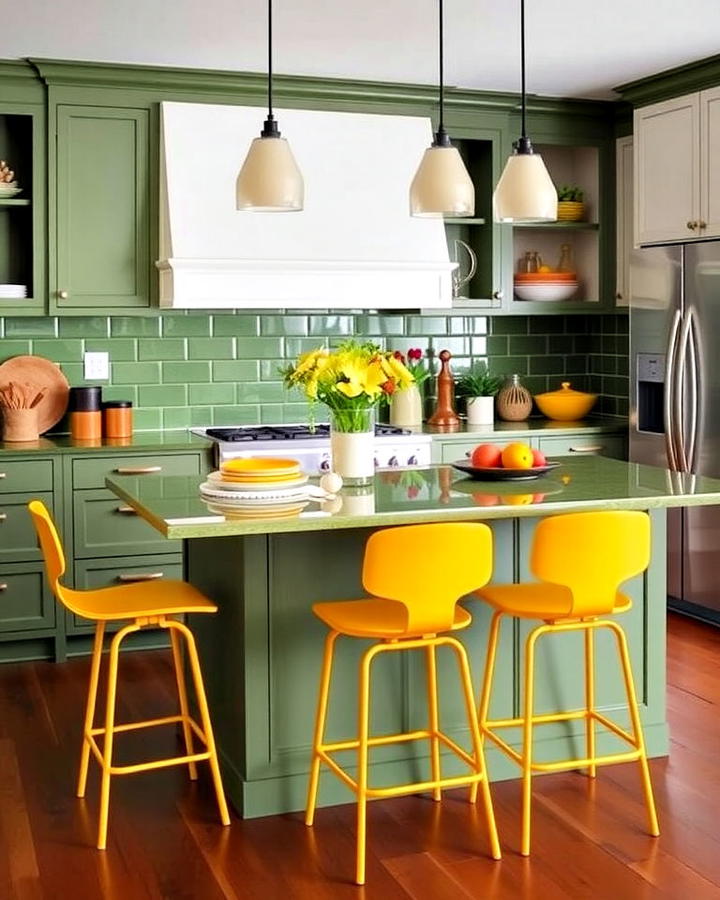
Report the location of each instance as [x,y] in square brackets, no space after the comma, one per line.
[565,405]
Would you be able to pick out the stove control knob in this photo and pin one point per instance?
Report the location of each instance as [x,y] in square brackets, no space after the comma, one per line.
[377,463]
[325,464]
[412,460]
[393,461]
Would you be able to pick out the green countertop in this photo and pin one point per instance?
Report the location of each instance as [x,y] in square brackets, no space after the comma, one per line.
[147,441]
[437,493]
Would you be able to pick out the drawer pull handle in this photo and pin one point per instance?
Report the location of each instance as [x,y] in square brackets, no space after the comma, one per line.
[3,517]
[141,470]
[594,448]
[127,577]
[3,586]
[3,474]
[126,510]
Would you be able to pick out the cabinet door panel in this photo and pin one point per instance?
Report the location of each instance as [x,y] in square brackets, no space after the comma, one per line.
[26,602]
[18,539]
[709,168]
[102,193]
[667,170]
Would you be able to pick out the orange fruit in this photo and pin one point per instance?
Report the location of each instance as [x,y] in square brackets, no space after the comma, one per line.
[486,456]
[517,456]
[544,269]
[519,499]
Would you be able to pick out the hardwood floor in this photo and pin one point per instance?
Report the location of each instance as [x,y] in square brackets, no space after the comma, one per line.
[164,841]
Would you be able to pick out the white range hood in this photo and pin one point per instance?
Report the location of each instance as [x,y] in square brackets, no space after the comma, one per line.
[354,245]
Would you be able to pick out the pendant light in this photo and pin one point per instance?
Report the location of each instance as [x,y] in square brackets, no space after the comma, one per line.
[269,180]
[525,192]
[442,186]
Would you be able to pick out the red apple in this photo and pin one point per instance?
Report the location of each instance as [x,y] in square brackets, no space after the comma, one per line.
[486,456]
[485,499]
[539,458]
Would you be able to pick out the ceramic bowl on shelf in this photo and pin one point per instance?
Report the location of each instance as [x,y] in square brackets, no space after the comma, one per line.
[547,290]
[544,277]
[565,405]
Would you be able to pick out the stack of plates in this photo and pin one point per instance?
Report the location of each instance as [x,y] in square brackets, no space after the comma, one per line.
[256,487]
[13,291]
[9,189]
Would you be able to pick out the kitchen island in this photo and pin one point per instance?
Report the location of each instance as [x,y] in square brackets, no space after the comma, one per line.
[262,651]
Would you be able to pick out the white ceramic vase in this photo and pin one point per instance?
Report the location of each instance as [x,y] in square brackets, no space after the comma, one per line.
[352,445]
[406,408]
[480,410]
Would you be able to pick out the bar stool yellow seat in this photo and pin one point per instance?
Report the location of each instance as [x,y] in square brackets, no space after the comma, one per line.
[146,604]
[416,575]
[581,560]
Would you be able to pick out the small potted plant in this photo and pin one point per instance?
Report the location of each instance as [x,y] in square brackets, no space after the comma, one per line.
[478,386]
[570,203]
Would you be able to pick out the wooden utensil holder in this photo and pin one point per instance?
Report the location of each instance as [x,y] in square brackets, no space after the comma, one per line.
[20,424]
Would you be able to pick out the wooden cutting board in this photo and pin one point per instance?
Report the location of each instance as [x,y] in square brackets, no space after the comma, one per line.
[43,374]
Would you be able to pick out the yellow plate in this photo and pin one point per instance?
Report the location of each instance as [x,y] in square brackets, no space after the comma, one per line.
[260,479]
[255,466]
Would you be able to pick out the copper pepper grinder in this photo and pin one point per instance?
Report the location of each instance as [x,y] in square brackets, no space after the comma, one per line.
[444,414]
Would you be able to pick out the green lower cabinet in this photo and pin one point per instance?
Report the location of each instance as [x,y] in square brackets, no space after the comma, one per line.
[105,526]
[26,602]
[18,540]
[91,574]
[612,445]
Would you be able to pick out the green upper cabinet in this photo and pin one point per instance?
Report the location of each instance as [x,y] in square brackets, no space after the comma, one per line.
[99,201]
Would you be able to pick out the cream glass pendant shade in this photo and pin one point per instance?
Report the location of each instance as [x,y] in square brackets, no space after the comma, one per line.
[269,180]
[525,191]
[441,186]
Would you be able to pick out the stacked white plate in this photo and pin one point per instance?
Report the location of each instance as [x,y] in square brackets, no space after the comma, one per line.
[9,189]
[250,488]
[13,291]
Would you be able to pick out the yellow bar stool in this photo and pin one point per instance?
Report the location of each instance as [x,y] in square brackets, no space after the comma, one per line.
[416,575]
[581,560]
[146,604]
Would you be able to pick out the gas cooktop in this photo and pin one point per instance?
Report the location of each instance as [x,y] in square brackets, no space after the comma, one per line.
[286,432]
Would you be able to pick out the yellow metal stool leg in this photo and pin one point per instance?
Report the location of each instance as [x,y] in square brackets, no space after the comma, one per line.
[362,775]
[462,659]
[182,697]
[90,706]
[434,717]
[527,747]
[320,719]
[653,826]
[204,716]
[488,675]
[110,732]
[590,699]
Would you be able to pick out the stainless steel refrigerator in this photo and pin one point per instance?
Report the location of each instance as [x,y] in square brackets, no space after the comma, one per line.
[675,402]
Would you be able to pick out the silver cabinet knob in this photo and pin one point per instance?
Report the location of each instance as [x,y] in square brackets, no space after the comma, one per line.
[497,295]
[63,295]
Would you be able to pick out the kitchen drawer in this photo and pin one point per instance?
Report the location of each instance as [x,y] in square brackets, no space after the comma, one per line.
[613,445]
[106,526]
[25,475]
[18,539]
[26,602]
[91,473]
[101,573]
[459,449]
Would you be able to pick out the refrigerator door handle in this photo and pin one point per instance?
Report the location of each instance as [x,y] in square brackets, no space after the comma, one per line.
[679,393]
[695,390]
[669,410]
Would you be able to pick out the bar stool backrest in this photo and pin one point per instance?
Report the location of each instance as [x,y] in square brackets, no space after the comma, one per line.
[54,556]
[428,568]
[592,554]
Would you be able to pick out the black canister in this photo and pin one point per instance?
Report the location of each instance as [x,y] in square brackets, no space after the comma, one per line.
[85,413]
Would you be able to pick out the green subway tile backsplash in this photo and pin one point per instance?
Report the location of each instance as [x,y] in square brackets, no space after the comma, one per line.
[184,370]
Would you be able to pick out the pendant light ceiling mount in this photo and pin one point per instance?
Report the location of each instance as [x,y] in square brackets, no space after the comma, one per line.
[525,191]
[441,186]
[269,180]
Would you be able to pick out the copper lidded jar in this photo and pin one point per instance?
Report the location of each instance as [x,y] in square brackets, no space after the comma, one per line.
[117,419]
[85,413]
[513,401]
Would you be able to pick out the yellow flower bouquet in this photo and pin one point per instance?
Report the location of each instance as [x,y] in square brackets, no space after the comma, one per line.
[351,380]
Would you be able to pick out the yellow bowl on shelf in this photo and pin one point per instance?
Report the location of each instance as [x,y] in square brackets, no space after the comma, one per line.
[565,405]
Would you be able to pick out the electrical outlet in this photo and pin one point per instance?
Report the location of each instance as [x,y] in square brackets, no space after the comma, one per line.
[97,366]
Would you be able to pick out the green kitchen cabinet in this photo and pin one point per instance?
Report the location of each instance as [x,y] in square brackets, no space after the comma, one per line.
[99,202]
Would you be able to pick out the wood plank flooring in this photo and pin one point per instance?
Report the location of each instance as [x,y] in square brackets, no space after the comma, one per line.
[164,841]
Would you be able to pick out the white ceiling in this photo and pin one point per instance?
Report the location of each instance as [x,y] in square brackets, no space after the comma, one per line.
[576,48]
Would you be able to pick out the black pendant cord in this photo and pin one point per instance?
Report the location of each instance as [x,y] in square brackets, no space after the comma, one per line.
[441,137]
[270,128]
[524,144]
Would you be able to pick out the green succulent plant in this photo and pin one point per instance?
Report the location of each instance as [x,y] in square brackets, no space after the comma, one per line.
[570,192]
[478,382]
